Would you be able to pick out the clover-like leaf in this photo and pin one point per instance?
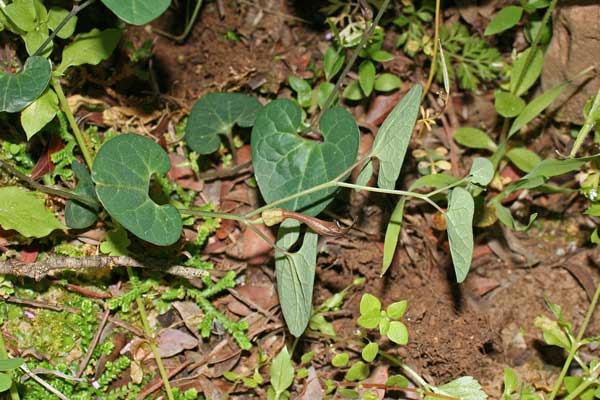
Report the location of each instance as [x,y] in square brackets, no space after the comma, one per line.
[19,90]
[24,212]
[122,171]
[295,275]
[137,12]
[393,137]
[370,311]
[286,163]
[215,114]
[460,230]
[78,215]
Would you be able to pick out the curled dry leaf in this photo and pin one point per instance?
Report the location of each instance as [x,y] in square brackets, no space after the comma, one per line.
[173,341]
[325,228]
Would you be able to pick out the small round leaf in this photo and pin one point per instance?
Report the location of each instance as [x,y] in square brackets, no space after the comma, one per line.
[397,310]
[507,104]
[122,171]
[474,138]
[387,82]
[215,114]
[370,351]
[398,333]
[340,360]
[482,171]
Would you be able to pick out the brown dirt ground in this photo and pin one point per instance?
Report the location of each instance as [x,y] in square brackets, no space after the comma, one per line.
[477,328]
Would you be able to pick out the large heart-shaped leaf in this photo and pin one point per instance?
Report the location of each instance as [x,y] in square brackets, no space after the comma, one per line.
[78,215]
[392,140]
[137,12]
[296,275]
[286,163]
[122,171]
[24,212]
[215,114]
[21,89]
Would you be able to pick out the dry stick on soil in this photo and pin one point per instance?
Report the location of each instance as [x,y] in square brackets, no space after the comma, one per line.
[94,343]
[39,269]
[42,382]
[73,310]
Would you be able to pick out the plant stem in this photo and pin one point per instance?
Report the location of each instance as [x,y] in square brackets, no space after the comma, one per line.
[74,11]
[436,43]
[575,346]
[459,182]
[45,189]
[587,382]
[150,336]
[188,27]
[351,61]
[391,191]
[14,393]
[81,140]
[587,126]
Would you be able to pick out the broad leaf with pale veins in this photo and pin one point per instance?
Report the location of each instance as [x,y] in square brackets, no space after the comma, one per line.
[19,90]
[122,171]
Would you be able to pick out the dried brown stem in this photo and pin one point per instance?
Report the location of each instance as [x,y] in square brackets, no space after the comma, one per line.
[40,269]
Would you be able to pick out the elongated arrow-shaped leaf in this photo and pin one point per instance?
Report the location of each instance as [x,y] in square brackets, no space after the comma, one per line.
[295,276]
[392,231]
[21,89]
[392,139]
[215,114]
[77,215]
[122,171]
[286,163]
[459,219]
[137,12]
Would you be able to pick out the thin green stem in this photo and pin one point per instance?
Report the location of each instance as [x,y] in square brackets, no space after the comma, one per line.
[351,61]
[436,43]
[211,214]
[14,393]
[45,189]
[391,191]
[459,182]
[587,382]
[188,27]
[150,336]
[74,11]
[587,126]
[81,140]
[575,346]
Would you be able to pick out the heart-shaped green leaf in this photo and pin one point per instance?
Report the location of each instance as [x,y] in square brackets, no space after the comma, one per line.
[21,89]
[77,215]
[296,275]
[459,218]
[392,140]
[122,171]
[215,114]
[137,12]
[286,163]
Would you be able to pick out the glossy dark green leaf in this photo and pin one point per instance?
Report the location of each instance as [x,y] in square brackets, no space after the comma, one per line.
[215,114]
[122,171]
[393,137]
[77,215]
[137,12]
[21,89]
[459,218]
[286,163]
[296,275]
